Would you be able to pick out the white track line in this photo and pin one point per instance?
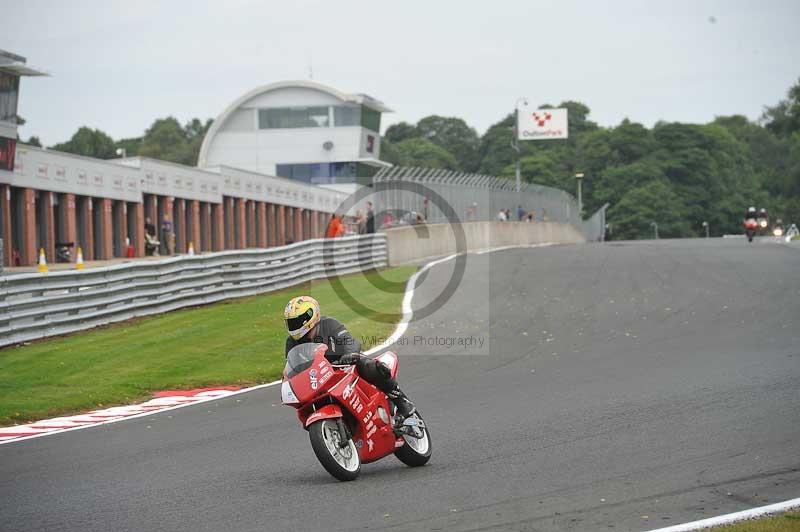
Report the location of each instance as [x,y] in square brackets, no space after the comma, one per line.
[96,423]
[492,250]
[734,517]
[401,328]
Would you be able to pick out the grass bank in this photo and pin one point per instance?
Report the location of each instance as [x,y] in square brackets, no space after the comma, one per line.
[234,342]
[788,522]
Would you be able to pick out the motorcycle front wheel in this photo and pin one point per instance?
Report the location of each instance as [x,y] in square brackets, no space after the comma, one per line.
[339,457]
[416,451]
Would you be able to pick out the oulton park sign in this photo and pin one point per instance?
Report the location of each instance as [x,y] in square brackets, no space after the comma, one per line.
[541,124]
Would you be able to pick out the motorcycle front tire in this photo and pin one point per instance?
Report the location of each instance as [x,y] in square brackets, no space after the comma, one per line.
[317,436]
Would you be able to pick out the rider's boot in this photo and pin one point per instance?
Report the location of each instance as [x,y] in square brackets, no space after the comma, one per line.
[405,408]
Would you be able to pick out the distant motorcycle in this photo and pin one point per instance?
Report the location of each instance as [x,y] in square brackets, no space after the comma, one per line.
[751,225]
[763,224]
[349,421]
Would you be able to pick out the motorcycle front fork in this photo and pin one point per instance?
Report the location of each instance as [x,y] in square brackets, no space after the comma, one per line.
[344,433]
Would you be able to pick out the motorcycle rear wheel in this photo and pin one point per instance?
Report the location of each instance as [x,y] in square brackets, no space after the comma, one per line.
[343,463]
[416,451]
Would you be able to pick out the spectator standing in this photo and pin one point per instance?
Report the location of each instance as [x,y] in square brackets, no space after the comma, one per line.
[167,236]
[361,223]
[335,227]
[149,228]
[520,213]
[370,225]
[151,243]
[502,216]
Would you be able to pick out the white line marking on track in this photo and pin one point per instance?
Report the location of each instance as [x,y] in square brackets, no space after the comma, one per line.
[492,250]
[408,312]
[732,518]
[135,411]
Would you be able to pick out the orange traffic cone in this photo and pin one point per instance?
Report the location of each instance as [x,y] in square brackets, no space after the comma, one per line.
[79,259]
[191,249]
[42,262]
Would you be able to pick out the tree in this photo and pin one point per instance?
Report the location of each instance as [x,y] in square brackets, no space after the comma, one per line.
[784,118]
[611,184]
[495,151]
[400,132]
[34,141]
[389,152]
[655,201]
[167,140]
[90,143]
[424,153]
[541,168]
[455,136]
[130,145]
[630,142]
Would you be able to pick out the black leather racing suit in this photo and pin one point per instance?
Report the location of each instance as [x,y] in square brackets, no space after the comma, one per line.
[335,335]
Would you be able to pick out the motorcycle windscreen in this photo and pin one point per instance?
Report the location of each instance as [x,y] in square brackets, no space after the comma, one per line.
[300,358]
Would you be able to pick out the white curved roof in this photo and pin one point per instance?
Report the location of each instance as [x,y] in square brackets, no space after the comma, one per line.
[361,99]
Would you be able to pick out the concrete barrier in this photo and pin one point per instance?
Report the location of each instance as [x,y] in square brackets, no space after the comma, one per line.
[414,243]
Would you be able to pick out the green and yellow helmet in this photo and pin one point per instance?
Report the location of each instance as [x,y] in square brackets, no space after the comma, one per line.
[301,315]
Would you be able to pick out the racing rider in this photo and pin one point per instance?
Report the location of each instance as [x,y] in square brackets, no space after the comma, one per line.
[305,324]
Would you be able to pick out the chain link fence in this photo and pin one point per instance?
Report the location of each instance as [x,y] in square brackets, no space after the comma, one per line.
[474,197]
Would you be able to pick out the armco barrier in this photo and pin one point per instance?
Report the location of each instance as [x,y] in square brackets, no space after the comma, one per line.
[38,305]
[413,243]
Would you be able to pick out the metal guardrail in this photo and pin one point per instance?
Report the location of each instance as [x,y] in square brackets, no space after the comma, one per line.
[34,306]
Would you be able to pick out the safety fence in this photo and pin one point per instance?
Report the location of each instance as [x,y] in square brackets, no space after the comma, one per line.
[402,193]
[37,305]
[594,227]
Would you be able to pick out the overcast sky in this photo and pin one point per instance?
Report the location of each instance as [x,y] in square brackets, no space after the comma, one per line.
[118,65]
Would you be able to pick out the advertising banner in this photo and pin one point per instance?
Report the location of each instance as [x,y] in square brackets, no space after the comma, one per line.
[541,124]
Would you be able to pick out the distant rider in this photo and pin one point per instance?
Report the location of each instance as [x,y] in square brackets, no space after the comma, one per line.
[305,324]
[751,214]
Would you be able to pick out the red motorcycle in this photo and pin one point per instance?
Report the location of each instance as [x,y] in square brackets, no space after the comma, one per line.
[751,225]
[349,421]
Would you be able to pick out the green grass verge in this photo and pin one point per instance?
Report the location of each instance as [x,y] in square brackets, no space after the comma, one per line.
[234,342]
[788,522]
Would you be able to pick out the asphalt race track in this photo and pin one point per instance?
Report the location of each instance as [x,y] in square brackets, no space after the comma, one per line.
[622,386]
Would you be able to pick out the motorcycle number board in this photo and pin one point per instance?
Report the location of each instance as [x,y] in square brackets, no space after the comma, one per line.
[541,124]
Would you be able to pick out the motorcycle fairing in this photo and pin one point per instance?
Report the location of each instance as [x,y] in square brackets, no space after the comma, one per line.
[390,360]
[332,411]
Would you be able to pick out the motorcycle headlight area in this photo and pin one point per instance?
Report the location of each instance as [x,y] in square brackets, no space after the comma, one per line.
[287,394]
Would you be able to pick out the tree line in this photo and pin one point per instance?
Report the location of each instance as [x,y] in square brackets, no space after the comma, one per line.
[165,139]
[677,175]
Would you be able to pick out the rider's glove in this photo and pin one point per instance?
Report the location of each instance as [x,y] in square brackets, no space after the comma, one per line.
[348,359]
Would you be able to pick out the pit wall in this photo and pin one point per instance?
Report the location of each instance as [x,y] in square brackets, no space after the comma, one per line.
[410,244]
